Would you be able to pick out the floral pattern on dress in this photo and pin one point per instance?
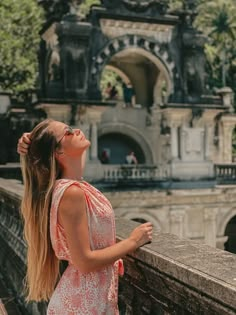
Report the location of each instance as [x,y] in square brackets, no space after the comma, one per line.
[78,293]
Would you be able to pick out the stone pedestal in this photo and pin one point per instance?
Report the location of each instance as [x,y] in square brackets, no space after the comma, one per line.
[192,170]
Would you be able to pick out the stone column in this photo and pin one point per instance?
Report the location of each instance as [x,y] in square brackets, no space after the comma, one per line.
[227,140]
[94,142]
[208,138]
[177,222]
[182,140]
[174,143]
[210,226]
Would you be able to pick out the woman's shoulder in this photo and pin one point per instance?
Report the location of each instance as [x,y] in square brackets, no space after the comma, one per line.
[72,199]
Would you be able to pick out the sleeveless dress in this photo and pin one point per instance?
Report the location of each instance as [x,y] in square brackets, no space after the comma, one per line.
[78,293]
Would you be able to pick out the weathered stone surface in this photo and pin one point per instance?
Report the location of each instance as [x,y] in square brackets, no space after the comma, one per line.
[185,274]
[169,276]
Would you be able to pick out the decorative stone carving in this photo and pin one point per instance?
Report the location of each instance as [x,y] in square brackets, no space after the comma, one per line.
[116,28]
[192,144]
[154,6]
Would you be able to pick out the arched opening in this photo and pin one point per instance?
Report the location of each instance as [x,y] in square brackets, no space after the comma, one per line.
[143,73]
[118,146]
[230,231]
[140,220]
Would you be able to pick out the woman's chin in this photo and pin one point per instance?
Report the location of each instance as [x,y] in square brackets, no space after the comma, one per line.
[88,143]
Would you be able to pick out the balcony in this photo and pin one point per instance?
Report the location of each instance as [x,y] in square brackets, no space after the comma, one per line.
[225,173]
[130,173]
[169,276]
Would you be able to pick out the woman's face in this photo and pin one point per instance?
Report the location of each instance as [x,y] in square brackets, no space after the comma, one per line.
[72,142]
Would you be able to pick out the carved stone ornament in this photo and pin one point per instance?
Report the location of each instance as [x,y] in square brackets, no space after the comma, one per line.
[58,8]
[135,5]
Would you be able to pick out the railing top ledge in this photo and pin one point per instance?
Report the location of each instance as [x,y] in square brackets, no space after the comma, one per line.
[12,187]
[206,269]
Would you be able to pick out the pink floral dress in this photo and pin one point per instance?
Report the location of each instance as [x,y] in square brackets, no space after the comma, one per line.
[78,293]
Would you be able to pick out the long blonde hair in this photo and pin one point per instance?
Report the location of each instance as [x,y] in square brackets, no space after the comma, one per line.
[39,170]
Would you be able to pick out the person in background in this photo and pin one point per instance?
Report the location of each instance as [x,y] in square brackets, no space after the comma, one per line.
[66,218]
[131,158]
[113,93]
[107,92]
[128,94]
[104,157]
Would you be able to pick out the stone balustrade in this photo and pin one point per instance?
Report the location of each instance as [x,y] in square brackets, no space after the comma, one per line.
[225,173]
[168,276]
[117,173]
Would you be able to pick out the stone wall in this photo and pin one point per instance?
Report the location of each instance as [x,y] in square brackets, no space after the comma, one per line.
[13,251]
[169,276]
[176,276]
[198,214]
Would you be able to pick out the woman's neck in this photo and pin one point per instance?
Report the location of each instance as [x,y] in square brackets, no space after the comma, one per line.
[73,171]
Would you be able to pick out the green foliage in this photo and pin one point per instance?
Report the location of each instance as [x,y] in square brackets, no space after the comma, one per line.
[217,19]
[85,6]
[175,4]
[20,22]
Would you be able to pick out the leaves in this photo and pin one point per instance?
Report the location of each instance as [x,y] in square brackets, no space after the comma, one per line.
[217,19]
[85,6]
[20,24]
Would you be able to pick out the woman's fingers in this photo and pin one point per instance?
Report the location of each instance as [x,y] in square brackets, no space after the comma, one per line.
[23,143]
[26,137]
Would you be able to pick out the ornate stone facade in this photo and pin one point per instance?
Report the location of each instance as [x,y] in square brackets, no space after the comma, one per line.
[178,125]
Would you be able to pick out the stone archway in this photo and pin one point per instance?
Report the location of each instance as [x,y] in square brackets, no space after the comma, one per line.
[117,146]
[120,73]
[132,133]
[141,216]
[230,232]
[224,221]
[145,48]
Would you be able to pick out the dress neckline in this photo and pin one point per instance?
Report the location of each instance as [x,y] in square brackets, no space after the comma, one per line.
[70,179]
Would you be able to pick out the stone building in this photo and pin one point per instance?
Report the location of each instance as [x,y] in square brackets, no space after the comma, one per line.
[180,132]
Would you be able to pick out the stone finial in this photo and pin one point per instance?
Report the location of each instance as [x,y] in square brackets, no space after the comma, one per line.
[226,94]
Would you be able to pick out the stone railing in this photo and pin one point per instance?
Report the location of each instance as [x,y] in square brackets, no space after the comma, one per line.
[225,173]
[169,276]
[13,252]
[119,173]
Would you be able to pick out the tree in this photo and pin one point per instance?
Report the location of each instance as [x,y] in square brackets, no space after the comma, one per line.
[217,19]
[20,24]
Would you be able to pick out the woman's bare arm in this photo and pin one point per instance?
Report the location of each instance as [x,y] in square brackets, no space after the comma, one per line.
[73,218]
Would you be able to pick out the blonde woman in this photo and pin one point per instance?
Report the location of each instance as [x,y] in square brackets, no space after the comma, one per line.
[65,218]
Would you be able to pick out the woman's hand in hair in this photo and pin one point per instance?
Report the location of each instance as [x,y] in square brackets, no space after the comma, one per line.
[23,143]
[142,234]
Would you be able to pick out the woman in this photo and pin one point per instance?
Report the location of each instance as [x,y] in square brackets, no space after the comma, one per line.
[68,219]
